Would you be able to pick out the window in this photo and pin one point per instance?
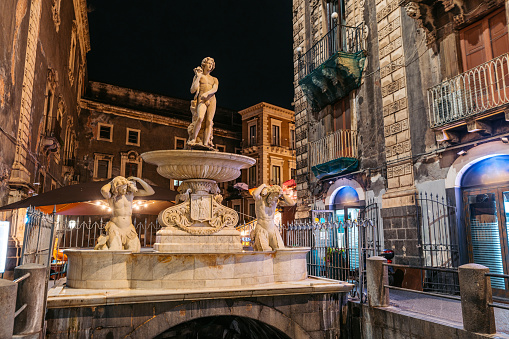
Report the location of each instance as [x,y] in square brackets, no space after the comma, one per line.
[251,176]
[221,148]
[252,211]
[105,132]
[342,115]
[130,164]
[293,172]
[276,175]
[47,111]
[180,143]
[72,52]
[252,134]
[275,135]
[484,40]
[236,208]
[102,166]
[133,137]
[176,184]
[292,136]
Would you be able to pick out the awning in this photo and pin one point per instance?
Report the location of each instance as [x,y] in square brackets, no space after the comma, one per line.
[336,166]
[82,199]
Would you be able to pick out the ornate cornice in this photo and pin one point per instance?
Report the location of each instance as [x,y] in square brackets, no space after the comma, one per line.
[245,113]
[80,9]
[140,115]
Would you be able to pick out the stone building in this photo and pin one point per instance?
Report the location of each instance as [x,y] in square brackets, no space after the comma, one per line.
[394,100]
[43,49]
[119,124]
[268,135]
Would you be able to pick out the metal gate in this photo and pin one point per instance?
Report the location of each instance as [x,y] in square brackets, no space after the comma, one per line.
[339,249]
[38,237]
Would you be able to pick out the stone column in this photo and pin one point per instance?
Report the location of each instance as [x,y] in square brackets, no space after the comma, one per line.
[8,307]
[32,292]
[475,288]
[377,276]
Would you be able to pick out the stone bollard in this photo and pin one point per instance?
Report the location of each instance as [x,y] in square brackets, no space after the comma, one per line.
[32,292]
[475,290]
[377,277]
[8,307]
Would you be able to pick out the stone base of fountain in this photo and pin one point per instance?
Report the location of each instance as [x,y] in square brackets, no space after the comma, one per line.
[90,269]
[174,240]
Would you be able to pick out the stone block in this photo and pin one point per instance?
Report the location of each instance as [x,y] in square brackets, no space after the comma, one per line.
[397,53]
[382,23]
[389,120]
[390,140]
[173,267]
[385,61]
[400,94]
[401,115]
[395,34]
[406,180]
[386,80]
[395,15]
[387,100]
[398,74]
[401,233]
[393,182]
[384,42]
[209,267]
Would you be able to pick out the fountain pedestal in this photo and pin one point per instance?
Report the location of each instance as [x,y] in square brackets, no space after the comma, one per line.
[199,223]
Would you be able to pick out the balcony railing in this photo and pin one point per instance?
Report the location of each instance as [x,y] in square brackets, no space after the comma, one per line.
[340,144]
[339,39]
[477,90]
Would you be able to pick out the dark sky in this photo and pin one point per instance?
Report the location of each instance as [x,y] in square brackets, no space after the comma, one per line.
[153,45]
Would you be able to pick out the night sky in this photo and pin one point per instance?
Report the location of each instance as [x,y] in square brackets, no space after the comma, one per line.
[153,46]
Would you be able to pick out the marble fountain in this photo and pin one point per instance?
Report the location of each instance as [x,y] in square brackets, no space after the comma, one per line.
[198,247]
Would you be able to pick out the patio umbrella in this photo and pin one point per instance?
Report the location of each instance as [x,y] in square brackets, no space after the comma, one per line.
[86,199]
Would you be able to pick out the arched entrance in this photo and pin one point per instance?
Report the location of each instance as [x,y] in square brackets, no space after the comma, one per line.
[485,197]
[223,327]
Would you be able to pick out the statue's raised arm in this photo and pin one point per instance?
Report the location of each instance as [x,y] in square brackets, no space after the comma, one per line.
[146,188]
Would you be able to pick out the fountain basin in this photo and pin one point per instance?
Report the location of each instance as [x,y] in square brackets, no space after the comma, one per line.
[89,269]
[191,164]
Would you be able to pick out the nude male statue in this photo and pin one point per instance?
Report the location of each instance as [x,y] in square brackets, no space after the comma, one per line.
[266,236]
[203,106]
[121,234]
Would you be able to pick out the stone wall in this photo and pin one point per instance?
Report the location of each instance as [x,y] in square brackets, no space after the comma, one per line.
[298,316]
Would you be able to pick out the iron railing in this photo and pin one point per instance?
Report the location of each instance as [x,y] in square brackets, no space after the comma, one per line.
[339,39]
[81,232]
[437,234]
[477,90]
[340,144]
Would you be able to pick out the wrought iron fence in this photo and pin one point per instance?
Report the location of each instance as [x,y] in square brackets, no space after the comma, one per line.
[437,236]
[82,232]
[339,249]
[340,144]
[339,39]
[479,89]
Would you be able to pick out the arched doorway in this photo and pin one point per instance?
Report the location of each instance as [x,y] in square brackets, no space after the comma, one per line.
[485,196]
[223,327]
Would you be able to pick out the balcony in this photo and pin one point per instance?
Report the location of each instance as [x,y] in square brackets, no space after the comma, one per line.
[333,66]
[478,93]
[334,154]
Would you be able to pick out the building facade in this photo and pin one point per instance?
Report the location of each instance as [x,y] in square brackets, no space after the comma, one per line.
[404,105]
[268,135]
[43,48]
[119,124]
